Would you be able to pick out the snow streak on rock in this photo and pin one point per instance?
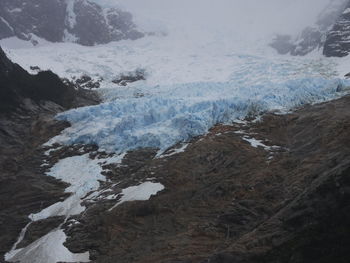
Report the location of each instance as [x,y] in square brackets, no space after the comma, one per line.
[84,176]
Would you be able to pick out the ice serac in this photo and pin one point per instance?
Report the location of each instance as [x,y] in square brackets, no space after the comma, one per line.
[79,21]
[338,39]
[188,110]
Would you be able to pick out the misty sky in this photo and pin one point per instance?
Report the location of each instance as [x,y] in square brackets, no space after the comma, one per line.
[249,16]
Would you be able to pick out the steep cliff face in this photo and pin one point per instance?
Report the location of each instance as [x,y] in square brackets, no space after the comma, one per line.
[337,43]
[77,21]
[331,33]
[16,85]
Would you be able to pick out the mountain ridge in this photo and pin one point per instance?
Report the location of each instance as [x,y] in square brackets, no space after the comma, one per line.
[78,21]
[330,34]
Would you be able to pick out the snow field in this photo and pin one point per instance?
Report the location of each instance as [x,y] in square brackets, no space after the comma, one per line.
[84,176]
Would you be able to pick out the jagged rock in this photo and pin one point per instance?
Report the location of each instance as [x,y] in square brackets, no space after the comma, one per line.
[126,78]
[337,43]
[79,21]
[86,82]
[328,32]
[16,84]
[35,68]
[28,104]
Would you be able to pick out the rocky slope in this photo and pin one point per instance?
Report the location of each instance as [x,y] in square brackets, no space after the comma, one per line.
[79,21]
[16,85]
[28,104]
[330,33]
[231,199]
[276,190]
[337,43]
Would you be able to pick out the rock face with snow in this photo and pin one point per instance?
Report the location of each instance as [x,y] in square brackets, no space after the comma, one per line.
[16,85]
[255,202]
[338,39]
[77,21]
[330,33]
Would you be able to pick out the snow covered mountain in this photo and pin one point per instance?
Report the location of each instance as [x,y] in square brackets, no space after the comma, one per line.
[195,144]
[329,33]
[79,21]
[338,39]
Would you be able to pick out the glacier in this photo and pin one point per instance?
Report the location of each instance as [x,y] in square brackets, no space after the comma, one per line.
[192,84]
[177,113]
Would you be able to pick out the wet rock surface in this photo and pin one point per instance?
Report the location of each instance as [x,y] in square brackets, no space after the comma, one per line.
[227,201]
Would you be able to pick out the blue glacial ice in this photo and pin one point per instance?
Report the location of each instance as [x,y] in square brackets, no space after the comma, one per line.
[176,113]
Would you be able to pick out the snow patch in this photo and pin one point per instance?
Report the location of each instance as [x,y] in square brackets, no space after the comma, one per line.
[346,11]
[71,16]
[47,249]
[84,176]
[140,192]
[68,37]
[258,143]
[175,151]
[6,23]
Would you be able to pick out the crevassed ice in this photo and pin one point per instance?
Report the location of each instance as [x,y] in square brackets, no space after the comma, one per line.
[178,112]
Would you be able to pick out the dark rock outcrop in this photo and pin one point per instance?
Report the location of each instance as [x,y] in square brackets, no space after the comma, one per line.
[16,84]
[130,77]
[337,43]
[28,104]
[330,33]
[79,21]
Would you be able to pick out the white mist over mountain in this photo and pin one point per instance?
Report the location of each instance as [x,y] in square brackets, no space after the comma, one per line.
[249,19]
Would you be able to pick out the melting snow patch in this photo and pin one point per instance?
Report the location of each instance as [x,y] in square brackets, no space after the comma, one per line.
[140,192]
[47,249]
[84,176]
[172,152]
[258,143]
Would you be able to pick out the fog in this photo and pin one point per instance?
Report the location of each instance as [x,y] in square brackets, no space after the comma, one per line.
[248,18]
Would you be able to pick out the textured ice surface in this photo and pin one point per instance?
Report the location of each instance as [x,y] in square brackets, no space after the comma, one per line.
[193,82]
[198,75]
[178,112]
